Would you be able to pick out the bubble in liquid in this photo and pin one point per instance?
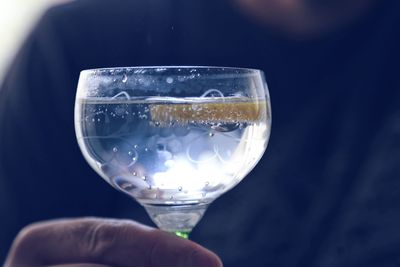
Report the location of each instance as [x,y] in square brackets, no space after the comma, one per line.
[124,78]
[225,127]
[135,146]
[174,146]
[169,80]
[211,134]
[134,173]
[144,178]
[127,186]
[196,107]
[180,188]
[120,110]
[115,150]
[146,149]
[207,183]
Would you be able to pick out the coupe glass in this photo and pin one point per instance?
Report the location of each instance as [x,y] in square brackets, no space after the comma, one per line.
[173,138]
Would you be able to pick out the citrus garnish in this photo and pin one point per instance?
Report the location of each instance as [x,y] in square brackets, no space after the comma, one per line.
[209,112]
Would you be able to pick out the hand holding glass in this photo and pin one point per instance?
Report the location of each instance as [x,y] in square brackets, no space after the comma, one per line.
[173,138]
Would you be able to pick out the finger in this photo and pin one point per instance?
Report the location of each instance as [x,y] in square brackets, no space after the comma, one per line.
[107,242]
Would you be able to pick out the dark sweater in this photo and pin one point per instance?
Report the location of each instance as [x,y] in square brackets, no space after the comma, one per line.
[326,193]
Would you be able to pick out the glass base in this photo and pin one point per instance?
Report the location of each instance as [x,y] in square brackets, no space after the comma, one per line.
[176,218]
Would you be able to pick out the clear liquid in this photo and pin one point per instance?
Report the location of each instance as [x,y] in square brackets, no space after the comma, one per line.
[172,151]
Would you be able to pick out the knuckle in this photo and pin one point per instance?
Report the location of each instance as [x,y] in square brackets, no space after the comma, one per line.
[98,238]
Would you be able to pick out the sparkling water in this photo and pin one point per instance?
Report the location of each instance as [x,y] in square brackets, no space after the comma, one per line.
[172,151]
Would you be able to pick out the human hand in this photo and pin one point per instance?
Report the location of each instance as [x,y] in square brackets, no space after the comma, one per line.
[92,242]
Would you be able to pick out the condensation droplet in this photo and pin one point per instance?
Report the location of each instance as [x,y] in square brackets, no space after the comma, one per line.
[169,80]
[135,146]
[130,153]
[180,188]
[124,78]
[171,197]
[115,149]
[134,173]
[146,149]
[207,183]
[211,134]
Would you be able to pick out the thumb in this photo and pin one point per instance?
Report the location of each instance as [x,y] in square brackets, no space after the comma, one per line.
[105,242]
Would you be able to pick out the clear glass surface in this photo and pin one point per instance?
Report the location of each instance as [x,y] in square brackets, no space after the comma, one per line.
[173,138]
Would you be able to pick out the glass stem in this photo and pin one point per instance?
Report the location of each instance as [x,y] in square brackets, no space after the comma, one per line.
[182,234]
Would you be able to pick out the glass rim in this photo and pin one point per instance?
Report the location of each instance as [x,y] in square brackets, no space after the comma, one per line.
[172,67]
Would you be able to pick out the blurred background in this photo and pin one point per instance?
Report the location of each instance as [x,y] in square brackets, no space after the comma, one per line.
[17,17]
